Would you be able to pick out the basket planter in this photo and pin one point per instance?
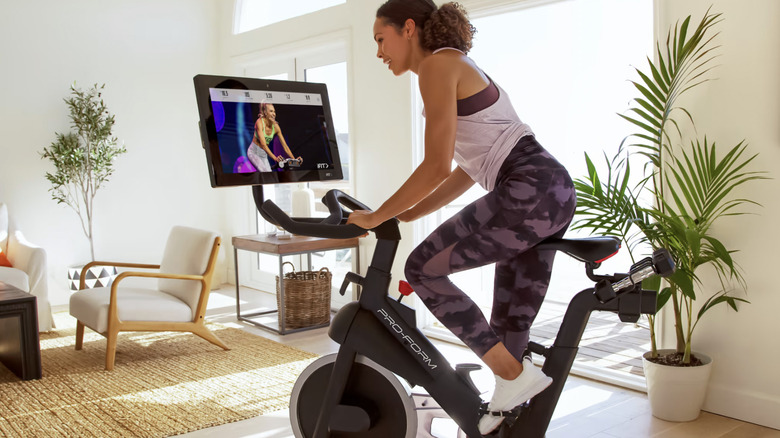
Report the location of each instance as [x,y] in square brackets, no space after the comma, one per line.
[306,298]
[96,276]
[676,393]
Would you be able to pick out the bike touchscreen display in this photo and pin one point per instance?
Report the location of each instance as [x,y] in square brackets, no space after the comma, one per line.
[259,131]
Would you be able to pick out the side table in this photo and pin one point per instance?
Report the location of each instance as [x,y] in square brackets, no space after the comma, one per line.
[20,348]
[295,245]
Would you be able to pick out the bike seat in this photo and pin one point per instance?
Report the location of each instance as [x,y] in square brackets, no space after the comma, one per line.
[588,249]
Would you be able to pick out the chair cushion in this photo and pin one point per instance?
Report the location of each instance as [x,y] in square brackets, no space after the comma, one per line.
[15,277]
[186,252]
[3,227]
[4,260]
[90,306]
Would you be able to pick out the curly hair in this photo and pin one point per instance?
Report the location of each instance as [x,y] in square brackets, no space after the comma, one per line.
[444,26]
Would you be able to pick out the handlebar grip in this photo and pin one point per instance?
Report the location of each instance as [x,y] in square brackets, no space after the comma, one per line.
[310,226]
[337,198]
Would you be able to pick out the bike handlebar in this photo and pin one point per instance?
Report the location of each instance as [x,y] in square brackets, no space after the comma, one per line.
[332,227]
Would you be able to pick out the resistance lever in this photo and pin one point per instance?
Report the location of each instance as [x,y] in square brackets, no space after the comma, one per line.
[351,277]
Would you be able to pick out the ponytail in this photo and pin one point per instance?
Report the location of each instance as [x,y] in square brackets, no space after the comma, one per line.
[445,26]
[448,26]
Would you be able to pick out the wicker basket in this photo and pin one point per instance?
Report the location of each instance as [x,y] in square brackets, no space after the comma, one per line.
[306,298]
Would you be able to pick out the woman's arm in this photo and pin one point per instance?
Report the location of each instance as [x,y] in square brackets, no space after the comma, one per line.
[284,143]
[438,87]
[455,185]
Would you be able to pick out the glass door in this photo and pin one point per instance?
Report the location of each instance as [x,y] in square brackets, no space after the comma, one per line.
[565,67]
[326,66]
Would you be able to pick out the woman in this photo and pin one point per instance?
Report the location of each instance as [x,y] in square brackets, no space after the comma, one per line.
[469,119]
[266,128]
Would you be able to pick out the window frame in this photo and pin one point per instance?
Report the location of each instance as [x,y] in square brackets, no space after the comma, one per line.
[293,59]
[238,11]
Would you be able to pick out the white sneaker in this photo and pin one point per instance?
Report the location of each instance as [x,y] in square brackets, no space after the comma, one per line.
[511,393]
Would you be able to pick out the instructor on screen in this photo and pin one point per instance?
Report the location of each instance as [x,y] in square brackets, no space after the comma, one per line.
[266,128]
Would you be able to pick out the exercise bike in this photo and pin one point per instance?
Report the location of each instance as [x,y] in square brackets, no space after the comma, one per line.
[364,389]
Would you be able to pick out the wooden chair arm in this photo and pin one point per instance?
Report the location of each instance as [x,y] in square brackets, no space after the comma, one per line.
[82,283]
[157,275]
[119,265]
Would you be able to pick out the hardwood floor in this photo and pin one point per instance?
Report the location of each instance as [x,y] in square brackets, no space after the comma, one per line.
[607,344]
[587,409]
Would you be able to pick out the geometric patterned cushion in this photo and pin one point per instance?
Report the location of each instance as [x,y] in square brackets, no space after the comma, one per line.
[96,276]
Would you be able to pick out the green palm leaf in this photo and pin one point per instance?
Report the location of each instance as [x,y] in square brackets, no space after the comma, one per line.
[700,182]
[608,205]
[691,187]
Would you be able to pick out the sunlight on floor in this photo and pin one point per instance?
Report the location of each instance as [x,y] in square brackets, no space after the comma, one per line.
[579,399]
[218,300]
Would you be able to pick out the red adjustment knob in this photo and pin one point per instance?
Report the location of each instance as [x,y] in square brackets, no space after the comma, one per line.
[405,288]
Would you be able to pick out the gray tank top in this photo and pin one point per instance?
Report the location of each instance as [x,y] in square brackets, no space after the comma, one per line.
[485,135]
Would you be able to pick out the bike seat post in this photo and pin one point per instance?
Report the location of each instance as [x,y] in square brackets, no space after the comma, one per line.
[463,370]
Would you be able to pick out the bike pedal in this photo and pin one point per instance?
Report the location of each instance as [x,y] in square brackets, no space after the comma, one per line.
[512,413]
[510,420]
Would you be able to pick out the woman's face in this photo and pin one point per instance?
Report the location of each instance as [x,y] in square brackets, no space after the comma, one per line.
[393,47]
[270,112]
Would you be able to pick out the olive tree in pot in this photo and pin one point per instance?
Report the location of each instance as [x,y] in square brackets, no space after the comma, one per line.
[83,161]
[686,186]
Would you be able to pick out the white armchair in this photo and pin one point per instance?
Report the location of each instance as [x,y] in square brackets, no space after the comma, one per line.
[177,303]
[28,271]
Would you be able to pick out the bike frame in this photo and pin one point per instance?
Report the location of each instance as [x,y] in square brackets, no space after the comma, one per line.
[385,331]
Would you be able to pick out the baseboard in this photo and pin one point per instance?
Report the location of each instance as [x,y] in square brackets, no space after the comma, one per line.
[750,406]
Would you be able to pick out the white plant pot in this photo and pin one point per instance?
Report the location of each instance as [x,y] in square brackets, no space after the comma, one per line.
[96,276]
[676,393]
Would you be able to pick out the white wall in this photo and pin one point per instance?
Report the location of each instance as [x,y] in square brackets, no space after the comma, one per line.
[146,52]
[742,103]
[383,103]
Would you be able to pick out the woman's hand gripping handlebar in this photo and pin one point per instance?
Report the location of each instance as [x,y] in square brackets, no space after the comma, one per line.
[332,227]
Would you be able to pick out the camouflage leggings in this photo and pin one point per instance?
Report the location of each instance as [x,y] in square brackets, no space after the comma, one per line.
[533,199]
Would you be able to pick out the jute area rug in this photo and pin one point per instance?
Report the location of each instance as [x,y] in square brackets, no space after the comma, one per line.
[163,384]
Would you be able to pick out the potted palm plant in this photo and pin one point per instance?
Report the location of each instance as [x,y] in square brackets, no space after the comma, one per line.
[83,162]
[686,186]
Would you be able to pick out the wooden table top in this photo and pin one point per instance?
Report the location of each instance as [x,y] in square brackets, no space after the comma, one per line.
[293,245]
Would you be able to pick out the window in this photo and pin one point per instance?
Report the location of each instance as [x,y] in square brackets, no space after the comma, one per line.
[565,67]
[323,63]
[251,14]
[335,77]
